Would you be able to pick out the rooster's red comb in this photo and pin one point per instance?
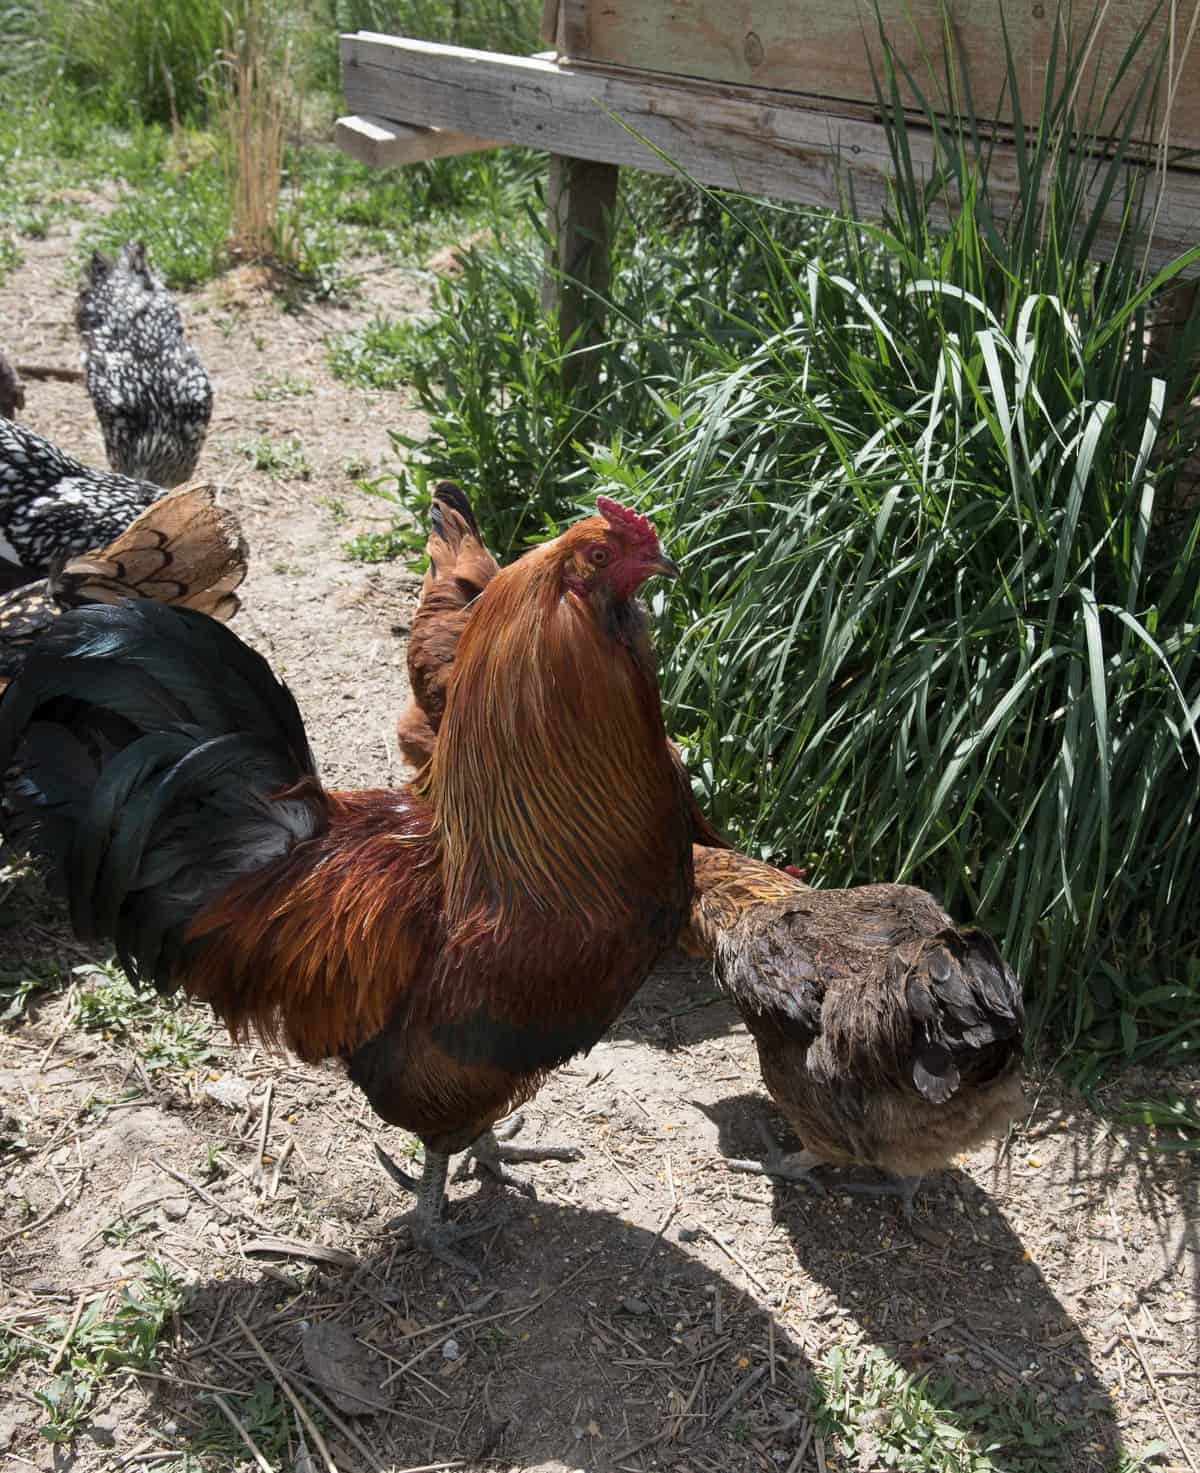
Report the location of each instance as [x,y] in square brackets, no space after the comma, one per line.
[627,519]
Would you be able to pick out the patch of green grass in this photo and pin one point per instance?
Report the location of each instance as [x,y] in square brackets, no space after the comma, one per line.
[336,508]
[277,386]
[10,255]
[167,1032]
[875,1414]
[184,220]
[1174,1121]
[377,356]
[286,460]
[400,540]
[19,984]
[151,56]
[267,1417]
[106,1339]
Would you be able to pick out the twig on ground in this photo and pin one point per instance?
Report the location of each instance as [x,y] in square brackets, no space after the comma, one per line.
[30,1226]
[65,1343]
[230,1212]
[240,1428]
[264,1125]
[50,371]
[57,1039]
[281,1380]
[806,1438]
[742,1389]
[733,1258]
[1158,1396]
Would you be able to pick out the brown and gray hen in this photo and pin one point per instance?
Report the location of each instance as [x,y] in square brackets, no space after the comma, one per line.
[887,1035]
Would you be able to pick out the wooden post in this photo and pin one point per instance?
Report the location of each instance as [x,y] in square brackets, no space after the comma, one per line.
[582,195]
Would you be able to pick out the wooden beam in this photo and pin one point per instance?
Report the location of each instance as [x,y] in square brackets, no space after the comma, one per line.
[382,142]
[738,138]
[835,50]
[582,197]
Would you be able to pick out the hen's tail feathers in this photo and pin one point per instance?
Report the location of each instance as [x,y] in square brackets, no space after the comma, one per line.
[455,544]
[151,759]
[967,1012]
[183,550]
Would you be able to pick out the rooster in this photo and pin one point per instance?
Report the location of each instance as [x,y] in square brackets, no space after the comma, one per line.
[451,941]
[888,1036]
[150,391]
[183,550]
[460,568]
[52,508]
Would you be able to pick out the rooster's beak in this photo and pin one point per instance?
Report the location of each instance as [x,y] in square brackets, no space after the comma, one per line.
[664,565]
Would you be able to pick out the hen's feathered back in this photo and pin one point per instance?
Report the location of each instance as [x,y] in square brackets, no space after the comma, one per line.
[887,1034]
[151,393]
[184,550]
[53,508]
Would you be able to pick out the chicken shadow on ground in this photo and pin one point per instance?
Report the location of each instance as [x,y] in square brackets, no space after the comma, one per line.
[957,1298]
[587,1341]
[678,1005]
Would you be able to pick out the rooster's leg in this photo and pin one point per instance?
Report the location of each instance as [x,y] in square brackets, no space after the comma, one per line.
[488,1154]
[425,1220]
[787,1165]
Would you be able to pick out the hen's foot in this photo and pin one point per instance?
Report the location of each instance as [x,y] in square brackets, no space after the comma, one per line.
[425,1222]
[489,1155]
[904,1187]
[786,1165]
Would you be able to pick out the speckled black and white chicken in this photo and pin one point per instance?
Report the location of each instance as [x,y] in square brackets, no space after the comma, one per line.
[53,508]
[151,393]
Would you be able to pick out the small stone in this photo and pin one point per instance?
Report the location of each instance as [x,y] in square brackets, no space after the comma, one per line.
[229,1091]
[174,1208]
[635,1306]
[451,1350]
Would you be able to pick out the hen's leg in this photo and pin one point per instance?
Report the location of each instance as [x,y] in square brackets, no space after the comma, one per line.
[425,1222]
[787,1165]
[904,1187]
[487,1154]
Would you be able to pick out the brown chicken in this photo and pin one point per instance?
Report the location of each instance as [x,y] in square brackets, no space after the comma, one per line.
[887,1036]
[12,390]
[184,550]
[451,941]
[460,568]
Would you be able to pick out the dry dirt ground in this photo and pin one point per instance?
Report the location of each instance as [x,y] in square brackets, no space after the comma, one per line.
[651,1309]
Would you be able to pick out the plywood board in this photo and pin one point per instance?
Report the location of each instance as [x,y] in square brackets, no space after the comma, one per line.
[730,138]
[814,47]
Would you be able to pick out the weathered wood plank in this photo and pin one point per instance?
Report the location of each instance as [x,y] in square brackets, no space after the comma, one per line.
[745,139]
[382,142]
[811,46]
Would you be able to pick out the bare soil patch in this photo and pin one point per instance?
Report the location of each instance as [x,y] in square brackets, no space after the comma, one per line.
[651,1309]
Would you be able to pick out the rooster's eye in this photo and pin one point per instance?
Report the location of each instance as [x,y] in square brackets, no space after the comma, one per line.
[599,556]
